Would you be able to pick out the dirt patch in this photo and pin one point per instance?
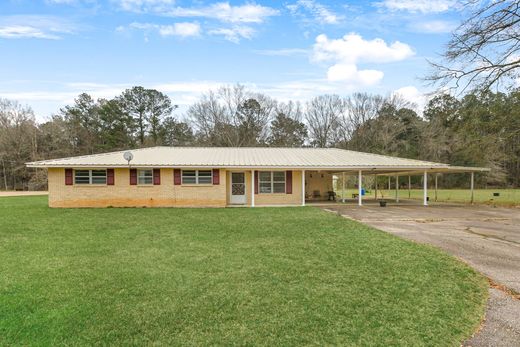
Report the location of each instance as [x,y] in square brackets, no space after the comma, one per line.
[511,292]
[22,193]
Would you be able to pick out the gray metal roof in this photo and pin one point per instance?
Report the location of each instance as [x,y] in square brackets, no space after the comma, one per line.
[244,157]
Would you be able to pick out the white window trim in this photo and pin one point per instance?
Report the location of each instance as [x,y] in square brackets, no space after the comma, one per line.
[197,177]
[90,178]
[144,184]
[272,181]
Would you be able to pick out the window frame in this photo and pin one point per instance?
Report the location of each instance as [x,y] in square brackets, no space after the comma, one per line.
[144,177]
[197,177]
[91,177]
[271,182]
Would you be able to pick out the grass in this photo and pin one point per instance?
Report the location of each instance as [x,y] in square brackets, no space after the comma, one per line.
[265,276]
[508,197]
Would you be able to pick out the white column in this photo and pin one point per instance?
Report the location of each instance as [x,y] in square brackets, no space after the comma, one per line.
[342,187]
[389,184]
[409,187]
[472,186]
[303,187]
[396,188]
[436,185]
[375,187]
[425,188]
[360,183]
[252,188]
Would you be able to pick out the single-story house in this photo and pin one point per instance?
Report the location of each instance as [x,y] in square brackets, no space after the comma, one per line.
[218,177]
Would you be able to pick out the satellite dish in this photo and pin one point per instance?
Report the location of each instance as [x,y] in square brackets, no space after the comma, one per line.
[128,156]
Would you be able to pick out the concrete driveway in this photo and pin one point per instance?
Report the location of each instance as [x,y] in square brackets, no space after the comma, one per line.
[486,238]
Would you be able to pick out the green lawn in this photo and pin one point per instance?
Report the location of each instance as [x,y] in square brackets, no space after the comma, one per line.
[264,276]
[508,197]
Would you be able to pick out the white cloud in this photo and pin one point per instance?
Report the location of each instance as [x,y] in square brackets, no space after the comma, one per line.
[183,30]
[48,99]
[234,34]
[413,95]
[435,26]
[351,74]
[423,6]
[284,52]
[319,12]
[223,11]
[237,17]
[180,29]
[60,2]
[34,26]
[351,50]
[22,31]
[144,5]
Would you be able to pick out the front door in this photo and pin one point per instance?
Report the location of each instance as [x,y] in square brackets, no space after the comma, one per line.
[238,188]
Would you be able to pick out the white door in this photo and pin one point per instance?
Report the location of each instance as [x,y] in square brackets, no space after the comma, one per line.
[238,188]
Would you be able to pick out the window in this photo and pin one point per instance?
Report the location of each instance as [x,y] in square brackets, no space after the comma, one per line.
[90,176]
[204,177]
[271,182]
[144,177]
[197,177]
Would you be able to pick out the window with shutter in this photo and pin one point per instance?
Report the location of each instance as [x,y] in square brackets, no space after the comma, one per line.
[156,177]
[133,177]
[110,177]
[216,176]
[68,177]
[271,182]
[91,177]
[177,178]
[288,182]
[145,177]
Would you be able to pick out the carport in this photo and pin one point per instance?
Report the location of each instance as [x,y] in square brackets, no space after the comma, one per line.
[396,174]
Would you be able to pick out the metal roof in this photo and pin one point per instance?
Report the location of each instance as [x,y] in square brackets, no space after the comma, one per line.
[243,157]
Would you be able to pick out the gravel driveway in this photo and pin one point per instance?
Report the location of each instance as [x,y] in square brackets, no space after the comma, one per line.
[486,238]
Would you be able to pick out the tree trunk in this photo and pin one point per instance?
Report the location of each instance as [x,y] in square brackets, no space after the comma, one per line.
[5,174]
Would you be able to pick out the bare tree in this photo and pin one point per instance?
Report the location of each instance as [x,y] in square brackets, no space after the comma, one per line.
[291,109]
[232,116]
[323,116]
[484,50]
[18,143]
[359,109]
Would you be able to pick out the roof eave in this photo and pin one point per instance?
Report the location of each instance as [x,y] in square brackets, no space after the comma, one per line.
[252,167]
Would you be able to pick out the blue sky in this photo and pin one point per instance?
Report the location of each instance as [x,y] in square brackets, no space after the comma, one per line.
[52,50]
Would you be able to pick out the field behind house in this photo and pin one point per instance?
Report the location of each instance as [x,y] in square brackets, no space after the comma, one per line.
[265,276]
[507,197]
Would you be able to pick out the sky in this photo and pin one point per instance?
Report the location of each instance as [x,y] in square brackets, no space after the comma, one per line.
[53,50]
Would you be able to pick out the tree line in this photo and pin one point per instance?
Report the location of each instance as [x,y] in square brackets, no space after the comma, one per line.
[479,129]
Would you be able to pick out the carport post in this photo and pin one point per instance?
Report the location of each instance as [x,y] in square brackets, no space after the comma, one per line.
[360,182]
[472,186]
[252,188]
[343,187]
[375,187]
[409,187]
[436,176]
[425,188]
[396,188]
[303,187]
